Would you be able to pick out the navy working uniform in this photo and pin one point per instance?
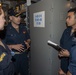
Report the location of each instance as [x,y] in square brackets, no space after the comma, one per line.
[66,42]
[13,37]
[6,66]
[72,61]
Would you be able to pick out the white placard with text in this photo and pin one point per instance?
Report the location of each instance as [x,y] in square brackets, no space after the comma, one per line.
[39,19]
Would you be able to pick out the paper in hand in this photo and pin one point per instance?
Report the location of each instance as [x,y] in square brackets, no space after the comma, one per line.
[54,45]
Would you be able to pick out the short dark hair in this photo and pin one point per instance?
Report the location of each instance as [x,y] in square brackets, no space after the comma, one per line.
[73,10]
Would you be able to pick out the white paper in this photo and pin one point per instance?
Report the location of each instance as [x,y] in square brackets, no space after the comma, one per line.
[39,19]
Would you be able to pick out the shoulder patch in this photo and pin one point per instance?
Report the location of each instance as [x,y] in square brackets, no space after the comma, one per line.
[2,56]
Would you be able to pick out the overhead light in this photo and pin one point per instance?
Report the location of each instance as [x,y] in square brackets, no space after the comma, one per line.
[0,4]
[28,2]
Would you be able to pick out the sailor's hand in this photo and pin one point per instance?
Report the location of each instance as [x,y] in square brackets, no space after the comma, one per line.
[64,53]
[27,45]
[18,47]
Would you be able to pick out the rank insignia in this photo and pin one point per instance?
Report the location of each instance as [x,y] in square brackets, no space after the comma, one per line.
[2,56]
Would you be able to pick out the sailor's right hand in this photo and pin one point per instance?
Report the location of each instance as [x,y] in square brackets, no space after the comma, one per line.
[64,53]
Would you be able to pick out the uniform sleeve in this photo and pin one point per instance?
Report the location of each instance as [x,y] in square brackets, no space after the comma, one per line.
[64,35]
[73,55]
[27,33]
[62,39]
[5,58]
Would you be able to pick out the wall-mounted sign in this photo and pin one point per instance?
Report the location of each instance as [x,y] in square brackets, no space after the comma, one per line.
[39,19]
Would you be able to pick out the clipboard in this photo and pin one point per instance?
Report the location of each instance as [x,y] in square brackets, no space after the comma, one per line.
[54,45]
